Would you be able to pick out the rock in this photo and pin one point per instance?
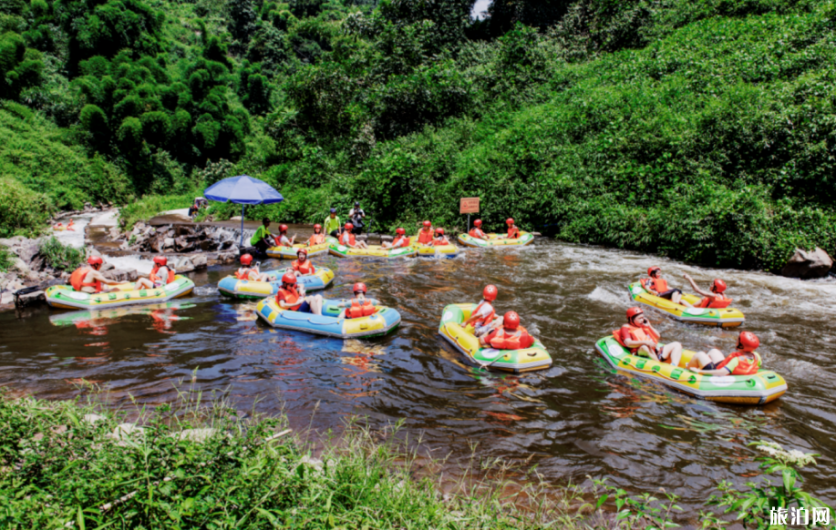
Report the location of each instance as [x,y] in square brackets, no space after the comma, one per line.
[94,252]
[236,218]
[7,298]
[107,267]
[386,238]
[92,419]
[124,432]
[21,267]
[87,206]
[228,257]
[184,265]
[30,299]
[121,276]
[200,262]
[28,252]
[168,242]
[806,265]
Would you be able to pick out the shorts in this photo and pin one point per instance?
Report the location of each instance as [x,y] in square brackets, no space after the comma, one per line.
[668,294]
[304,308]
[709,366]
[481,330]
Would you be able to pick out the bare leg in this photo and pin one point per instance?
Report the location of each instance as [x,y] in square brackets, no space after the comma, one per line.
[716,355]
[144,283]
[676,298]
[699,360]
[648,352]
[672,352]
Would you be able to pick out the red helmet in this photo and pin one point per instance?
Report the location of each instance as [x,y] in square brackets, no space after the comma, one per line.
[439,231]
[317,229]
[289,278]
[400,231]
[359,287]
[490,293]
[161,261]
[477,222]
[427,224]
[719,285]
[95,260]
[282,228]
[748,341]
[651,270]
[511,320]
[302,251]
[634,311]
[246,259]
[509,221]
[349,226]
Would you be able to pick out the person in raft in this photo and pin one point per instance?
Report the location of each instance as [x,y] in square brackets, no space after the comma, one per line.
[400,240]
[332,224]
[292,298]
[715,299]
[160,275]
[262,239]
[513,231]
[250,272]
[440,238]
[483,317]
[643,340]
[347,238]
[511,336]
[89,279]
[283,240]
[359,306]
[425,235]
[302,266]
[318,237]
[476,231]
[659,286]
[744,361]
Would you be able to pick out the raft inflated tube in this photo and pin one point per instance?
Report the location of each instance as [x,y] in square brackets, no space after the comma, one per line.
[65,297]
[247,289]
[525,360]
[440,251]
[290,252]
[757,389]
[332,321]
[725,318]
[496,240]
[374,251]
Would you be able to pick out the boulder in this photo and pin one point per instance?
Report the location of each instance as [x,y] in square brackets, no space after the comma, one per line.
[22,267]
[168,242]
[184,265]
[228,257]
[93,252]
[386,238]
[200,262]
[807,265]
[107,267]
[30,299]
[121,276]
[28,252]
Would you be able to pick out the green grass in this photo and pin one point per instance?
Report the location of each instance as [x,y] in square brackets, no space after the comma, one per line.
[6,258]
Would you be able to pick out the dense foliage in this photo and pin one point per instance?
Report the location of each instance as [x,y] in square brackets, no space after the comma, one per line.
[599,121]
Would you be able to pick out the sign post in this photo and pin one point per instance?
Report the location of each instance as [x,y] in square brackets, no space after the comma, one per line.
[469,205]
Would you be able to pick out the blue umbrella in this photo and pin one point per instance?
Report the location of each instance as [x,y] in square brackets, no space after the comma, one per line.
[243,190]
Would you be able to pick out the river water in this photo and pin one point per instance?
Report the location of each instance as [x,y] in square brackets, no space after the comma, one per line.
[576,419]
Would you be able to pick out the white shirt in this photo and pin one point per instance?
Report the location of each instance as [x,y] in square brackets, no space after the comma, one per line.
[284,240]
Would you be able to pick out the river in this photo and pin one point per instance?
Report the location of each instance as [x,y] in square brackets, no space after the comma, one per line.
[576,419]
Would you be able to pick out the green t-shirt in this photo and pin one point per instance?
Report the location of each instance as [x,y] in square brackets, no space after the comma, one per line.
[331,224]
[260,234]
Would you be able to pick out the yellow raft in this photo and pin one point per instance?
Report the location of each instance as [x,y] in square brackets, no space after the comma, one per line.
[724,318]
[432,251]
[290,252]
[374,251]
[65,297]
[496,240]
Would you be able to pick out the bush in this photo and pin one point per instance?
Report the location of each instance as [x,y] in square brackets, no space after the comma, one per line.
[7,258]
[22,211]
[61,257]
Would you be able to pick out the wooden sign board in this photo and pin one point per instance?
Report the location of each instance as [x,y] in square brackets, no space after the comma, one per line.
[469,205]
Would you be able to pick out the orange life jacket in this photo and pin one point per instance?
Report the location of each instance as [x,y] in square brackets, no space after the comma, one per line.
[476,232]
[154,279]
[306,268]
[712,302]
[358,310]
[440,242]
[503,339]
[317,239]
[243,274]
[655,284]
[291,296]
[484,321]
[347,238]
[78,283]
[513,233]
[744,365]
[634,333]
[425,237]
[400,241]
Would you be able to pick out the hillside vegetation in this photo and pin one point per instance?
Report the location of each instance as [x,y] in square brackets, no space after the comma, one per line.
[703,131]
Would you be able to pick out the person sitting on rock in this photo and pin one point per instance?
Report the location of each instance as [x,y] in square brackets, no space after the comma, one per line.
[713,300]
[425,235]
[400,241]
[440,238]
[160,275]
[318,237]
[476,231]
[262,238]
[292,298]
[282,240]
[642,339]
[249,272]
[302,266]
[744,361]
[511,336]
[658,286]
[88,279]
[348,239]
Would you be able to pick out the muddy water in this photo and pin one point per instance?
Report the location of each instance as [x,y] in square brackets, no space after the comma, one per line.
[576,419]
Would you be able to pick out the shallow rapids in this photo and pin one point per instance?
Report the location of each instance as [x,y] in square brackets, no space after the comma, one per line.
[576,419]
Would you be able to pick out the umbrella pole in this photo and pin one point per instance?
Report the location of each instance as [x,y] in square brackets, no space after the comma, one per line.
[242,227]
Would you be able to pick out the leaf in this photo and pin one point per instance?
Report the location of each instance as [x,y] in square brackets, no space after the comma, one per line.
[601,501]
[789,480]
[80,518]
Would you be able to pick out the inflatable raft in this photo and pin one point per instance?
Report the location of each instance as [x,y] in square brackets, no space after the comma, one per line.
[758,389]
[431,251]
[65,297]
[84,318]
[332,321]
[725,318]
[246,289]
[496,240]
[290,252]
[516,361]
[374,251]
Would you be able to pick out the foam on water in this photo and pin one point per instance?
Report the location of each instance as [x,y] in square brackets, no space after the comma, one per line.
[602,294]
[75,237]
[142,266]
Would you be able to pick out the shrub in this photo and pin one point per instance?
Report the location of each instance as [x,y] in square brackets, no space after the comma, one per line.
[22,211]
[61,257]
